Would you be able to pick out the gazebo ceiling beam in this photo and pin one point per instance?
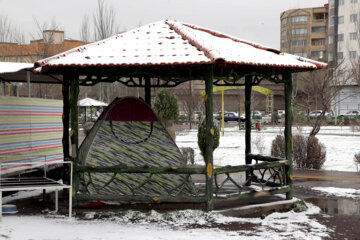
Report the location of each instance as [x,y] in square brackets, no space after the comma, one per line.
[223,76]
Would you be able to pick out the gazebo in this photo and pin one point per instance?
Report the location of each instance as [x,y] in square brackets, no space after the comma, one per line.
[90,103]
[166,54]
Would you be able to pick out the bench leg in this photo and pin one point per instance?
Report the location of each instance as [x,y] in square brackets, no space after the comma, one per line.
[0,206]
[56,200]
[70,202]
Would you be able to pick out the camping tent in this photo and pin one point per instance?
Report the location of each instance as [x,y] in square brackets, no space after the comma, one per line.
[128,134]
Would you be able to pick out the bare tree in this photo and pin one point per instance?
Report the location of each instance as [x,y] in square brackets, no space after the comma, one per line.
[104,21]
[320,89]
[190,104]
[85,31]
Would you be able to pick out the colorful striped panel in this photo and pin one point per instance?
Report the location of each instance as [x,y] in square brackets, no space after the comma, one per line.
[30,132]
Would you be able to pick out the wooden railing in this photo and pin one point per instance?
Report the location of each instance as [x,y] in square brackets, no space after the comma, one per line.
[229,182]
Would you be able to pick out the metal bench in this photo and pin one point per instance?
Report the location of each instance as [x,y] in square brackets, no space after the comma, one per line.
[21,183]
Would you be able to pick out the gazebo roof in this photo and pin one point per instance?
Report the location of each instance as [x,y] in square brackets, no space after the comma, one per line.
[175,43]
[89,102]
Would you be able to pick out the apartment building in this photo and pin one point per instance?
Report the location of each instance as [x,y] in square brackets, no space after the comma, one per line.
[344,52]
[304,32]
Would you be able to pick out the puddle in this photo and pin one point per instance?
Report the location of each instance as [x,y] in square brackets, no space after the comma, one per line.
[343,206]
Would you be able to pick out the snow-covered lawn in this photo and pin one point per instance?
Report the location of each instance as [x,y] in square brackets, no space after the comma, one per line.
[186,224]
[339,192]
[341,144]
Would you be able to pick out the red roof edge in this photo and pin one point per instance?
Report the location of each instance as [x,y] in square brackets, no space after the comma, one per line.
[216,34]
[193,42]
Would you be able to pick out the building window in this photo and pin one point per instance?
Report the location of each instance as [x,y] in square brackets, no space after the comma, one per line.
[341,19]
[283,45]
[299,31]
[318,29]
[353,18]
[283,21]
[340,37]
[353,36]
[301,54]
[331,39]
[354,1]
[340,55]
[341,2]
[332,21]
[318,42]
[298,43]
[332,3]
[298,19]
[318,54]
[352,54]
[283,33]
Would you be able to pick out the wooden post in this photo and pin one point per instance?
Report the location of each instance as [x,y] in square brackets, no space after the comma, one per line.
[147,90]
[209,136]
[248,86]
[222,108]
[287,132]
[74,135]
[65,116]
[28,83]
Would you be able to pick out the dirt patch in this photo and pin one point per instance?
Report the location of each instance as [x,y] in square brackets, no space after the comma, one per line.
[345,227]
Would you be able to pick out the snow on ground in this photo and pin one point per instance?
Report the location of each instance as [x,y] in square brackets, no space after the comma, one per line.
[185,224]
[341,144]
[339,192]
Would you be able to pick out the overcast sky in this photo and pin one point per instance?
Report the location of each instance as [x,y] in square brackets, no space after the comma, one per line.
[255,20]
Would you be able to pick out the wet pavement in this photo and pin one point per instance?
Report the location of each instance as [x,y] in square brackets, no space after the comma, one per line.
[342,213]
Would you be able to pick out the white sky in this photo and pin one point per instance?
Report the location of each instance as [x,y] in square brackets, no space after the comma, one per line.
[255,20]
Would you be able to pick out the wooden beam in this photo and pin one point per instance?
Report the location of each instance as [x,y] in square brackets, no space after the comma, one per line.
[139,198]
[248,86]
[287,131]
[147,90]
[209,136]
[236,196]
[141,169]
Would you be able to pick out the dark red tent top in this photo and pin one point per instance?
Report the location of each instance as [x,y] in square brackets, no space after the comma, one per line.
[129,109]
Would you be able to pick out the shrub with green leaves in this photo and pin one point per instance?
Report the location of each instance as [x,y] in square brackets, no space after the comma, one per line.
[166,107]
[202,135]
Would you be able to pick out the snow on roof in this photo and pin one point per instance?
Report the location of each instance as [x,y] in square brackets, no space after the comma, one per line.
[89,102]
[175,43]
[9,67]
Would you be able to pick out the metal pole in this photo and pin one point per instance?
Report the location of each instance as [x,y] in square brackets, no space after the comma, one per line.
[70,190]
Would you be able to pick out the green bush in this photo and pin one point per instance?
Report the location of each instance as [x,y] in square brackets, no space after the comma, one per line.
[202,136]
[166,107]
